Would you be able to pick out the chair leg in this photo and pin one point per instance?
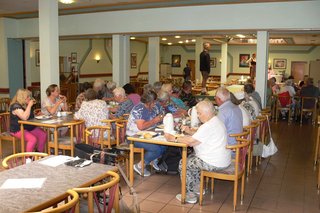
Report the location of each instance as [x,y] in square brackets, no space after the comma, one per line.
[235,192]
[248,161]
[207,182]
[142,163]
[289,116]
[212,185]
[277,114]
[14,145]
[242,190]
[301,113]
[201,188]
[316,151]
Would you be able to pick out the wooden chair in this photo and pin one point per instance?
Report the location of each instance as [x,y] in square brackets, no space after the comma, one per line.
[120,138]
[95,136]
[4,104]
[21,158]
[67,142]
[100,187]
[252,129]
[311,103]
[234,172]
[69,203]
[283,102]
[5,132]
[262,133]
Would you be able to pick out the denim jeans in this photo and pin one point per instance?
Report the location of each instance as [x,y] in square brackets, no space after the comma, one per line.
[152,151]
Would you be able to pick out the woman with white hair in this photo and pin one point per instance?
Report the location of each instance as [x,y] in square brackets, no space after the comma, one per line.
[125,104]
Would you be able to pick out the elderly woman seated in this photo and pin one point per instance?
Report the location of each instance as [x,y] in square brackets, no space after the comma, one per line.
[209,143]
[143,116]
[125,104]
[174,92]
[169,106]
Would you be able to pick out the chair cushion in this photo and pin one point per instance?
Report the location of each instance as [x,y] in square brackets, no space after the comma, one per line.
[229,170]
[5,134]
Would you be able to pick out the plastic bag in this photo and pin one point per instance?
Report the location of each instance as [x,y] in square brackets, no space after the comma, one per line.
[270,149]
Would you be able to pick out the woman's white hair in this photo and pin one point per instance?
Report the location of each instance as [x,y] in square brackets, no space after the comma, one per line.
[99,83]
[223,94]
[111,85]
[119,91]
[163,95]
[206,107]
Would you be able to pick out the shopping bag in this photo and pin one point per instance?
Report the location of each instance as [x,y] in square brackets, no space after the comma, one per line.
[270,149]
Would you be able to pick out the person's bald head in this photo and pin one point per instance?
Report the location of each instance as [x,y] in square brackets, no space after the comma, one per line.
[222,95]
[206,45]
[205,110]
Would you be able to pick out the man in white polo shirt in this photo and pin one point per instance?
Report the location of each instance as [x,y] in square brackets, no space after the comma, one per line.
[209,143]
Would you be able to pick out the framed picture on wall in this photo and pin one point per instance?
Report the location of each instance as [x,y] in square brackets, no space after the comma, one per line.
[176,61]
[133,60]
[279,63]
[74,57]
[213,62]
[37,57]
[243,58]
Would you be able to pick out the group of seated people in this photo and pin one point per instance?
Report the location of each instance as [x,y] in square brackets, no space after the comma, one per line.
[208,141]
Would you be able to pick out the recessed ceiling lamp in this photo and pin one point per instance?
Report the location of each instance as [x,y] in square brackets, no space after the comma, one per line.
[66,1]
[180,42]
[132,38]
[187,41]
[169,43]
[177,36]
[193,40]
[240,36]
[164,39]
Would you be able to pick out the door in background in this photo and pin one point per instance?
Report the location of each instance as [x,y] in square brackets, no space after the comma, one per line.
[192,65]
[298,70]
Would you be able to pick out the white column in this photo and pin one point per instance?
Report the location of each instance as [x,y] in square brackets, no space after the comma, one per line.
[224,64]
[262,64]
[49,44]
[120,59]
[154,59]
[199,48]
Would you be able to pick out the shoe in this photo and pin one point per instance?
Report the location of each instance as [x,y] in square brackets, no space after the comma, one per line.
[190,198]
[137,169]
[197,190]
[155,165]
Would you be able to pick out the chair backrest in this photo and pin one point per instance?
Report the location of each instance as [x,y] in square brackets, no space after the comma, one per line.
[263,127]
[284,99]
[21,158]
[121,126]
[309,102]
[4,122]
[95,136]
[252,129]
[4,104]
[70,203]
[241,150]
[97,192]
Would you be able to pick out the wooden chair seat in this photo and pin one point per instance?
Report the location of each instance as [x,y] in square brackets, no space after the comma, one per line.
[5,132]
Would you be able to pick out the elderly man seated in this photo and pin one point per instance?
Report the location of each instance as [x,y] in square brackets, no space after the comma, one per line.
[209,143]
[125,104]
[229,114]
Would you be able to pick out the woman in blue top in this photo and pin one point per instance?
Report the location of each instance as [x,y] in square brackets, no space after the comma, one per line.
[143,116]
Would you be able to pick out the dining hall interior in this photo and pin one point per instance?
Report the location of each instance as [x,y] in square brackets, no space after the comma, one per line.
[141,42]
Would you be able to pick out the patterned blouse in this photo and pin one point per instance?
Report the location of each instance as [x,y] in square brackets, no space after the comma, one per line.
[250,109]
[124,107]
[189,99]
[140,112]
[79,100]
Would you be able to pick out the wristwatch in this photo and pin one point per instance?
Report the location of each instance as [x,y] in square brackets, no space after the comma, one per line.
[176,139]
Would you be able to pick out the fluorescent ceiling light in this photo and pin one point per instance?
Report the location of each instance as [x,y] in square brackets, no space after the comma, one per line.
[180,42]
[132,38]
[66,1]
[169,43]
[187,41]
[164,39]
[177,36]
[193,40]
[240,36]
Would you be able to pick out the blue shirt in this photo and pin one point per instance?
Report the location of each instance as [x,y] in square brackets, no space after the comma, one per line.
[231,116]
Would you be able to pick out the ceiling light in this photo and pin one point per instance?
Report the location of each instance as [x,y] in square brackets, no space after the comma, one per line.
[177,36]
[180,42]
[132,38]
[66,1]
[193,40]
[169,43]
[187,41]
[164,39]
[240,36]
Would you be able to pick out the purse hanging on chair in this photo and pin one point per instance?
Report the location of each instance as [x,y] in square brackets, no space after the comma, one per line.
[271,148]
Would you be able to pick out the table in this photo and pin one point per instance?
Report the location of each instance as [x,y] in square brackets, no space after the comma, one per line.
[54,123]
[137,138]
[58,180]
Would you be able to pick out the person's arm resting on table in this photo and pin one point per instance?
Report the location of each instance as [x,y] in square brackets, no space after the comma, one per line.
[143,124]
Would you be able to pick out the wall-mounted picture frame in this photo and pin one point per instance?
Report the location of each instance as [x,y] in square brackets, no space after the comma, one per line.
[74,57]
[37,57]
[243,58]
[176,61]
[279,63]
[213,62]
[133,60]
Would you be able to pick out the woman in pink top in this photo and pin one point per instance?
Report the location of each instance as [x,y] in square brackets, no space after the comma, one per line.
[131,94]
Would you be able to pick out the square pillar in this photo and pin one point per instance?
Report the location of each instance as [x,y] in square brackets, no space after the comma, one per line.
[154,59]
[120,59]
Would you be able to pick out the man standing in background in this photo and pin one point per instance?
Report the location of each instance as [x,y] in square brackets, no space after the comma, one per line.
[187,73]
[205,66]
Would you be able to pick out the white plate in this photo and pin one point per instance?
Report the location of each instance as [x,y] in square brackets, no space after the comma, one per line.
[141,133]
[43,117]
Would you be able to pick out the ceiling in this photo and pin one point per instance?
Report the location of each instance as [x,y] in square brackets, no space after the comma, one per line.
[29,8]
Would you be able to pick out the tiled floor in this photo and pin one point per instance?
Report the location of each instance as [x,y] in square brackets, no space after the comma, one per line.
[285,182]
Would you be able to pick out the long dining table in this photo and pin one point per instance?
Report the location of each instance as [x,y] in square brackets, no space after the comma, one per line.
[159,140]
[53,122]
[44,182]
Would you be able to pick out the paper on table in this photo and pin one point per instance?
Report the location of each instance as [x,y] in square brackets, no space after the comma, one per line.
[56,160]
[50,121]
[160,138]
[23,183]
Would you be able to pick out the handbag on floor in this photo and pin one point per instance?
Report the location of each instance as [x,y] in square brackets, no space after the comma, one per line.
[271,148]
